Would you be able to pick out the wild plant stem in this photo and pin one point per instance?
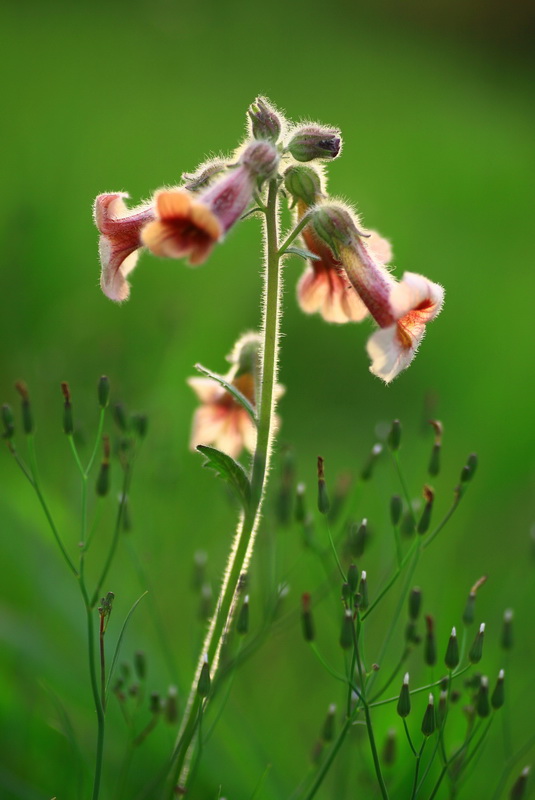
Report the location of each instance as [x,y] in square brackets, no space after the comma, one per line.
[242,547]
[417,769]
[97,699]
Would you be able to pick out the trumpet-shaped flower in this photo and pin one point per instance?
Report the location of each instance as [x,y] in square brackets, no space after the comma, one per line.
[188,225]
[401,309]
[120,230]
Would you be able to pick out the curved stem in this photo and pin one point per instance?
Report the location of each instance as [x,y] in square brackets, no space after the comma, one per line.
[243,544]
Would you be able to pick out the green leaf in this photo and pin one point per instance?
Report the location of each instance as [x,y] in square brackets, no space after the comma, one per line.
[302,252]
[229,470]
[237,395]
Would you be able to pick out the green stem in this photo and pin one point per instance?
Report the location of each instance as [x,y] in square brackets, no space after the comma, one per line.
[303,222]
[242,548]
[96,693]
[417,769]
[115,539]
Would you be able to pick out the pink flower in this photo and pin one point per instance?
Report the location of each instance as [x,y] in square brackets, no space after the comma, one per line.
[119,241]
[401,309]
[190,225]
[221,421]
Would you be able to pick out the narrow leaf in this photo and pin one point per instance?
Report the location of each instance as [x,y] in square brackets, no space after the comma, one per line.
[120,639]
[229,470]
[302,252]
[236,394]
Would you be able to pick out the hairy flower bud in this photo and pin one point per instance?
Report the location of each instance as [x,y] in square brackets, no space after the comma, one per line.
[265,122]
[334,225]
[404,701]
[476,651]
[451,658]
[315,141]
[303,183]
[261,159]
[498,695]
[429,722]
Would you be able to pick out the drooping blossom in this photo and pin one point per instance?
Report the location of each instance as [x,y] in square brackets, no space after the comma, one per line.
[189,225]
[401,309]
[221,420]
[119,243]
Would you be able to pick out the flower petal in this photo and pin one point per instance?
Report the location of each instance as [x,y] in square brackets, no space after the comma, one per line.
[388,354]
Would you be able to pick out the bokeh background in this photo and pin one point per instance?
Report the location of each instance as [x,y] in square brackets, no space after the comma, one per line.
[435,102]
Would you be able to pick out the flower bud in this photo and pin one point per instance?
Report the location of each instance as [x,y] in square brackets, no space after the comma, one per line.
[103,391]
[203,175]
[430,647]
[353,578]
[476,651]
[242,622]
[300,507]
[389,748]
[68,425]
[307,621]
[358,538]
[363,591]
[203,686]
[396,507]
[394,437]
[334,225]
[368,468]
[155,703]
[327,733]
[265,122]
[434,461]
[442,707]
[519,787]
[140,424]
[469,469]
[120,417]
[451,658]
[171,705]
[103,479]
[8,421]
[303,183]
[482,699]
[498,695]
[323,497]
[507,630]
[140,664]
[407,527]
[404,701]
[425,519]
[415,603]
[314,141]
[429,722]
[261,159]
[27,419]
[411,634]
[347,630]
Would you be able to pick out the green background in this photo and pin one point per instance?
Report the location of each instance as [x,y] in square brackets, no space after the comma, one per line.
[435,104]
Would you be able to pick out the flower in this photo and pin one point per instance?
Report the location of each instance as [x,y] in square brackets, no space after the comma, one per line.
[401,309]
[188,225]
[220,420]
[119,242]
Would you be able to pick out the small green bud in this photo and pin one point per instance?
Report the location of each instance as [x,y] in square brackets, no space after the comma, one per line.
[27,418]
[396,508]
[394,437]
[469,609]
[368,468]
[411,633]
[307,620]
[498,695]
[334,225]
[404,701]
[140,424]
[140,664]
[303,183]
[103,479]
[415,602]
[171,705]
[155,703]
[203,686]
[507,630]
[315,141]
[430,647]
[363,591]
[518,789]
[434,462]
[353,578]
[242,622]
[347,630]
[390,748]
[425,519]
[8,421]
[407,526]
[451,658]
[328,730]
[358,538]
[300,506]
[68,425]
[482,699]
[103,391]
[469,469]
[442,707]
[120,417]
[476,651]
[429,722]
[323,497]
[265,123]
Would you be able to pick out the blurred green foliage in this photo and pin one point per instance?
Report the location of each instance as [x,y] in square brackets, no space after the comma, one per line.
[438,122]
